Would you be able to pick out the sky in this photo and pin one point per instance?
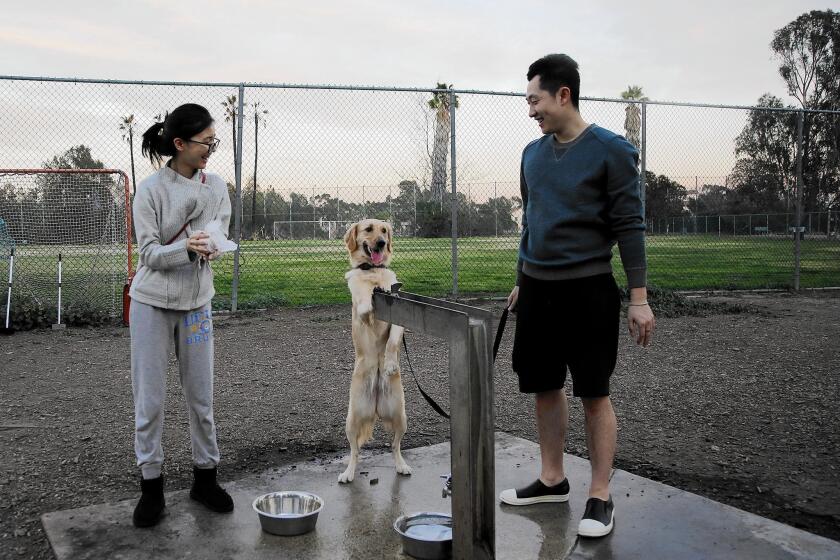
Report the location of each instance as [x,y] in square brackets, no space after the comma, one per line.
[708,52]
[362,144]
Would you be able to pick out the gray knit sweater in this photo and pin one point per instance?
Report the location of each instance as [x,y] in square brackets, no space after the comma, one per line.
[579,198]
[168,276]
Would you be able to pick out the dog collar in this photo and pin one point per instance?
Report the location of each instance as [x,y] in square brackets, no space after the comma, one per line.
[368,266]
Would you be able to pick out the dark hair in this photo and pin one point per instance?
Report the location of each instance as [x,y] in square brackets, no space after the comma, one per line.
[556,71]
[184,122]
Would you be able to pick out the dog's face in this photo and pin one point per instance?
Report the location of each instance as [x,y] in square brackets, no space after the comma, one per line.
[369,241]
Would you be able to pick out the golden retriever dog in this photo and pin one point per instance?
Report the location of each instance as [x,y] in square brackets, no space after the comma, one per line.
[376,389]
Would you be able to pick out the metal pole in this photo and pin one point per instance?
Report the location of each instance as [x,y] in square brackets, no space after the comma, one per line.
[454,196]
[696,202]
[797,249]
[468,331]
[237,205]
[471,398]
[496,208]
[469,209]
[414,191]
[642,177]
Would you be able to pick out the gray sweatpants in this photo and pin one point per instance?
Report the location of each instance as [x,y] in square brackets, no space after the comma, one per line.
[153,330]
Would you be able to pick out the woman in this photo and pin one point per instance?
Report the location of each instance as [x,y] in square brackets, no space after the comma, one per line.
[170,302]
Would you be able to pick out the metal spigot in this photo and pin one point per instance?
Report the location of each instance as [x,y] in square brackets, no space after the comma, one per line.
[446,491]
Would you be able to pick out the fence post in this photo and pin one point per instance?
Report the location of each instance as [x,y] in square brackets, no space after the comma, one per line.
[237,206]
[642,178]
[797,249]
[495,209]
[454,195]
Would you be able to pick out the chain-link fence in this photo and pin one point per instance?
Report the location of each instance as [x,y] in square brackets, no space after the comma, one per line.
[721,184]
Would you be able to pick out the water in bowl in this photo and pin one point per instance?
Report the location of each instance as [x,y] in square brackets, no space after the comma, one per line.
[430,532]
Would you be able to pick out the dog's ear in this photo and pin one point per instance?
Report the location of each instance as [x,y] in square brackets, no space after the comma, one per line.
[389,228]
[350,237]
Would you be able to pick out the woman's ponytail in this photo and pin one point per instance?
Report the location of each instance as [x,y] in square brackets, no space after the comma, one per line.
[184,122]
[155,144]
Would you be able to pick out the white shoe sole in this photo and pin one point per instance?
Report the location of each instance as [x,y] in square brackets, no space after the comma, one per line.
[592,528]
[509,497]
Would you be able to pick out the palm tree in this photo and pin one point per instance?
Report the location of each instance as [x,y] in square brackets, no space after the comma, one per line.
[440,103]
[127,126]
[258,116]
[633,118]
[230,107]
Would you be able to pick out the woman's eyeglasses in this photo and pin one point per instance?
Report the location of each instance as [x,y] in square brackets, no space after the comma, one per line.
[212,146]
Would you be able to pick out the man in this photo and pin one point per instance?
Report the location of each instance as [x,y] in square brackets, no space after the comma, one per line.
[580,194]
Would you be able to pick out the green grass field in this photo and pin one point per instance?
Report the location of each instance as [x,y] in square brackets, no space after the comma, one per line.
[308,272]
[311,271]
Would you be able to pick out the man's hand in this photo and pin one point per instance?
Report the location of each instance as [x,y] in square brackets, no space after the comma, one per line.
[512,298]
[641,322]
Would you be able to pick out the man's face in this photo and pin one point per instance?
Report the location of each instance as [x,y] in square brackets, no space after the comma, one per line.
[550,111]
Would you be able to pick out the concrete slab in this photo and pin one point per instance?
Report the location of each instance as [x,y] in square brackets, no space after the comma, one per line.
[652,520]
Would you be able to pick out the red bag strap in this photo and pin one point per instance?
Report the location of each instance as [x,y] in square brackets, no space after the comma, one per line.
[180,231]
[177,235]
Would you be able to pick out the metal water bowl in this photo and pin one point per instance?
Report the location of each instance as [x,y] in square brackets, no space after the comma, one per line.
[426,535]
[288,513]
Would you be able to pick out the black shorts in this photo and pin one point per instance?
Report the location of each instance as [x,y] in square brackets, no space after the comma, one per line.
[562,323]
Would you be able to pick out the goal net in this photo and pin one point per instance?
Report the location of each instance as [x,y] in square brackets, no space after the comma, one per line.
[82,214]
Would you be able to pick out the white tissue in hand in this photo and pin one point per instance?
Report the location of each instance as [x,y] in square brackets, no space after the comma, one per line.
[218,241]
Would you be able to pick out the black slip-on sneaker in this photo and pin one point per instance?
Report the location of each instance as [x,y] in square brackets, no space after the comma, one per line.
[536,493]
[598,519]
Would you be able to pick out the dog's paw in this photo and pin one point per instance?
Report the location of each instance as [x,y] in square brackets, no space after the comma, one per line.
[403,468]
[391,364]
[346,476]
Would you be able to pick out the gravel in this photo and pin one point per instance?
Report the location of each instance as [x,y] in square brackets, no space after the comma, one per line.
[736,401]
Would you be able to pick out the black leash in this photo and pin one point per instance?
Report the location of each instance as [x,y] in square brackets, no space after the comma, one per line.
[499,332]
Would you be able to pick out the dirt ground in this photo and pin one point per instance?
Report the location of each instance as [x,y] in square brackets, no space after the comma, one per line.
[741,408]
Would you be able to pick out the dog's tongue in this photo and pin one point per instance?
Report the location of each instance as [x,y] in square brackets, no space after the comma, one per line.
[376,257]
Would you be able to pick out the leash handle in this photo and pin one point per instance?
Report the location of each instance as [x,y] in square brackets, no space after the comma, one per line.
[437,408]
[429,399]
[500,330]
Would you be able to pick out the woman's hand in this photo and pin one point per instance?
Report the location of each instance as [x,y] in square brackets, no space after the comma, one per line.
[197,244]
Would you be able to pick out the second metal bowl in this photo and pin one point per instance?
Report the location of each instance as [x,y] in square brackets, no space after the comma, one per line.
[426,535]
[288,513]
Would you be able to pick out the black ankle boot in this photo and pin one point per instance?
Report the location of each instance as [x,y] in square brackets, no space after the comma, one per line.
[206,490]
[150,507]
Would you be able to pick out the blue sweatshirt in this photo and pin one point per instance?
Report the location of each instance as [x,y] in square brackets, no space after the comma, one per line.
[578,199]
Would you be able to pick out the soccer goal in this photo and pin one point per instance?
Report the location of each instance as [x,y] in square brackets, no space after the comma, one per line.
[82,214]
[310,229]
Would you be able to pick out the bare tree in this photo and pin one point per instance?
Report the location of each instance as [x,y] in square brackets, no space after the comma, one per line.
[440,103]
[259,117]
[127,126]
[230,107]
[633,115]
